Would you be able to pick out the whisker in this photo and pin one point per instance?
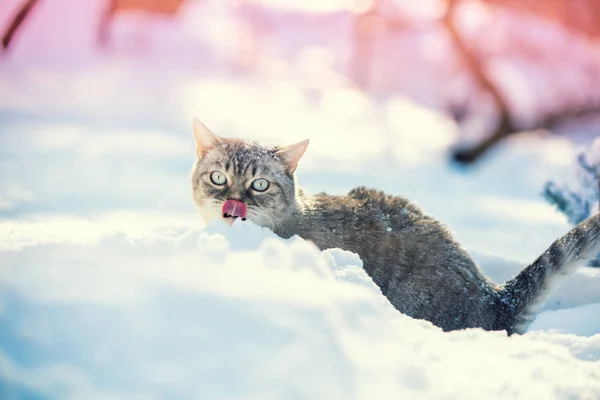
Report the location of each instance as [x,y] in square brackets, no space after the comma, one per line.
[261,216]
[272,222]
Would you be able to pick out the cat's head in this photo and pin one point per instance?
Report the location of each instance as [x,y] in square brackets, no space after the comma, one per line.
[235,178]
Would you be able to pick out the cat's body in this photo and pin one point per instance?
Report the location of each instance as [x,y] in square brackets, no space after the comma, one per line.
[412,257]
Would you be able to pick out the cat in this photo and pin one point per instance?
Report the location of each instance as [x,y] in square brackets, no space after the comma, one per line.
[412,257]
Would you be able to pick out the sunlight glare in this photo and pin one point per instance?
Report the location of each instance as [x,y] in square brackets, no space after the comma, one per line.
[315,6]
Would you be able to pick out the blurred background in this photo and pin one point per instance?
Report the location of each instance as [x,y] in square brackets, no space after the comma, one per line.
[482,111]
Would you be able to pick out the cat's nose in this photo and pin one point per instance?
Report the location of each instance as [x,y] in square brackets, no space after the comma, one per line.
[234,208]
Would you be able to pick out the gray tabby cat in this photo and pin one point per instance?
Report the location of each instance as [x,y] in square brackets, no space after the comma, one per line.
[412,257]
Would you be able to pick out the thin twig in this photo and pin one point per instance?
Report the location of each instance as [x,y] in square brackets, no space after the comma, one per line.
[17,22]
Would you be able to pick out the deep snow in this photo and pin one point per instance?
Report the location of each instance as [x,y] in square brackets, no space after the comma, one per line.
[238,313]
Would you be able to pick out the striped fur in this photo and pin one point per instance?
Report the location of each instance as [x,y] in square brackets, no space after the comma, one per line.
[523,294]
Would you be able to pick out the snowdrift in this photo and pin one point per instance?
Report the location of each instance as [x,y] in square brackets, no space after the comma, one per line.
[232,313]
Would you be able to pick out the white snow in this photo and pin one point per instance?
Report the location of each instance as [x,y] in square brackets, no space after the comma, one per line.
[239,313]
[111,288]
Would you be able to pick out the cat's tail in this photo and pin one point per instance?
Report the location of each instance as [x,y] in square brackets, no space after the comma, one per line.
[521,295]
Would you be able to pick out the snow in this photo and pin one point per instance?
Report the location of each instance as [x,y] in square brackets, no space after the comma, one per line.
[239,313]
[110,287]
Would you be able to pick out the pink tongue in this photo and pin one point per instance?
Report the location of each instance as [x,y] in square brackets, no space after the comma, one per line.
[234,208]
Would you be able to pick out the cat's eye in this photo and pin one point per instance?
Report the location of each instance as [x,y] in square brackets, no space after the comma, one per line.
[218,178]
[260,185]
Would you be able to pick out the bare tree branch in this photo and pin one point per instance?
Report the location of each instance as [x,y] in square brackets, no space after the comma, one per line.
[472,62]
[550,122]
[17,22]
[506,125]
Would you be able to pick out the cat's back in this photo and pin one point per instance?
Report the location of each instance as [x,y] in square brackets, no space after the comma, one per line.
[411,256]
[374,214]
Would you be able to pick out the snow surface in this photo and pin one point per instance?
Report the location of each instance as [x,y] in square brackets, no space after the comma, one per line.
[111,288]
[239,313]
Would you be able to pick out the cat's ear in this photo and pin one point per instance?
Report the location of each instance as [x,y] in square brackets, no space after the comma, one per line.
[292,154]
[205,139]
